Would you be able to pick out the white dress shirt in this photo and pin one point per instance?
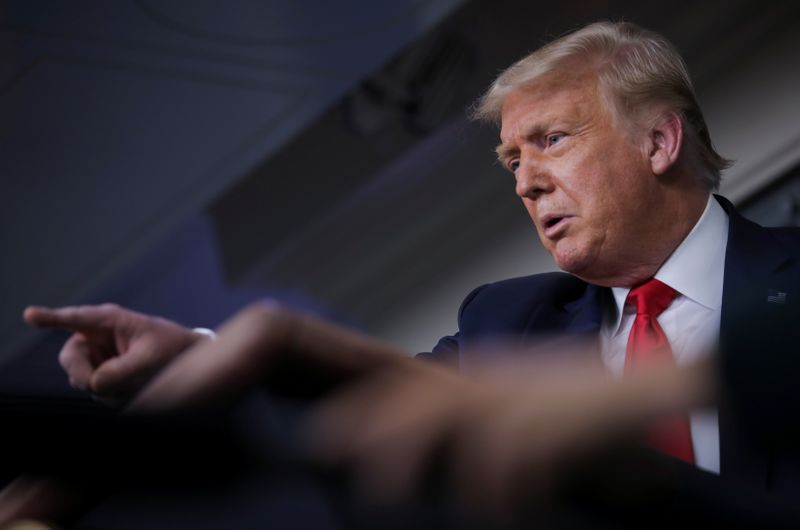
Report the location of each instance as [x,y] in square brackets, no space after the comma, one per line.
[695,270]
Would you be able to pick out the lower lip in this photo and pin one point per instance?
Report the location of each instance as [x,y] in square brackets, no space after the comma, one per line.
[556,229]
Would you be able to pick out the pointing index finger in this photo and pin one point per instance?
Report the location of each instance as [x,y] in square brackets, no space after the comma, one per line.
[74,318]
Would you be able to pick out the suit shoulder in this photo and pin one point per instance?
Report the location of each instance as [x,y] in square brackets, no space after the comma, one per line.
[511,301]
[788,237]
[504,308]
[549,285]
[751,235]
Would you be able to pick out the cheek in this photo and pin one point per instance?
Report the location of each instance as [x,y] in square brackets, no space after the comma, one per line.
[580,181]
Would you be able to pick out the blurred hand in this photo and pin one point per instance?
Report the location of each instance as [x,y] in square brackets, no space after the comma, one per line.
[507,436]
[113,351]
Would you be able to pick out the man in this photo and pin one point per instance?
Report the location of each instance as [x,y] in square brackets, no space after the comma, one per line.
[613,161]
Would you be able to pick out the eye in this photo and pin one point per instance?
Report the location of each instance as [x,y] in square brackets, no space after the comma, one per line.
[513,164]
[554,138]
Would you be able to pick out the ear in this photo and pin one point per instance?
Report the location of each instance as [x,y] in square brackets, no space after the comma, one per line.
[666,138]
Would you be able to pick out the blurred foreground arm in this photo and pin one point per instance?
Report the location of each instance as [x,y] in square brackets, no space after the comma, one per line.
[266,344]
[535,444]
[507,437]
[504,438]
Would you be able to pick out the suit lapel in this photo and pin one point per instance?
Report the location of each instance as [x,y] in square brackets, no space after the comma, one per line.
[579,312]
[572,324]
[584,316]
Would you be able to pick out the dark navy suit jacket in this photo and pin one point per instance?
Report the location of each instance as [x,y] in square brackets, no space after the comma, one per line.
[759,354]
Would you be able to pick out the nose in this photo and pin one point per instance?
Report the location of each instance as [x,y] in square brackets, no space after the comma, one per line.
[533,180]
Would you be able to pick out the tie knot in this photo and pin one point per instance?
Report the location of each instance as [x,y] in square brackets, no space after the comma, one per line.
[651,298]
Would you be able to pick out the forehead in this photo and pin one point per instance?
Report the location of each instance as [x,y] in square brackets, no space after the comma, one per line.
[549,102]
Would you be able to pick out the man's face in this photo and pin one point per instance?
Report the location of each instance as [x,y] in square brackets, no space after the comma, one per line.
[584,180]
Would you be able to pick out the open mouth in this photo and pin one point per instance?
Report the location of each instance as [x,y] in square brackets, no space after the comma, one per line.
[552,221]
[553,224]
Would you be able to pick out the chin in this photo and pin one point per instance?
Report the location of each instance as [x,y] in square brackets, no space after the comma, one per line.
[572,266]
[580,254]
[572,261]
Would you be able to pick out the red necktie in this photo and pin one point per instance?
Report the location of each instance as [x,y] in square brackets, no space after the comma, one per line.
[648,345]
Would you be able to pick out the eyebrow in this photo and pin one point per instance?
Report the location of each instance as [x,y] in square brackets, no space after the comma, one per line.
[504,151]
[533,129]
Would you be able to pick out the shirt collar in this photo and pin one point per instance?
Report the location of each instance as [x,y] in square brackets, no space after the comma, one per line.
[695,268]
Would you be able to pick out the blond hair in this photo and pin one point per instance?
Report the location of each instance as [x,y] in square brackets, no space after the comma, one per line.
[636,68]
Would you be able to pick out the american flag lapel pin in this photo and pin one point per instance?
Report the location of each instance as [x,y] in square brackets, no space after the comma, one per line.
[775,296]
